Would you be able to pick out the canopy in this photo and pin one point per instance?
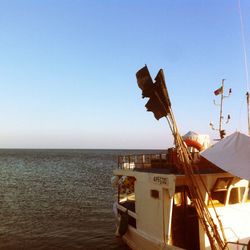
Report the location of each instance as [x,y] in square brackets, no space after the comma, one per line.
[231,154]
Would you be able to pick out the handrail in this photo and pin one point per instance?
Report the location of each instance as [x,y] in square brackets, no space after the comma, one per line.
[143,160]
[238,244]
[123,209]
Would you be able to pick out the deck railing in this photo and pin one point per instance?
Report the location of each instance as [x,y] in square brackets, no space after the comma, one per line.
[168,160]
[129,162]
[243,246]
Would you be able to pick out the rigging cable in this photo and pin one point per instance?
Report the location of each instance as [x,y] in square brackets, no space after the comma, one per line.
[244,45]
[245,62]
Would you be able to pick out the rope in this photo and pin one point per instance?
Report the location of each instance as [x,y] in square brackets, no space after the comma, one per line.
[212,230]
[185,165]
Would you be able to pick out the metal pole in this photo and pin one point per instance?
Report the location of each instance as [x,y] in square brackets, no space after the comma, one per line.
[248,114]
[221,105]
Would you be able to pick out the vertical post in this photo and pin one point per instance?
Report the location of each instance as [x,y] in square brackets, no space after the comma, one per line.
[170,214]
[248,114]
[221,105]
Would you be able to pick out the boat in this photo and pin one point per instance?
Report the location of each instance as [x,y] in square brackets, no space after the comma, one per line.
[191,196]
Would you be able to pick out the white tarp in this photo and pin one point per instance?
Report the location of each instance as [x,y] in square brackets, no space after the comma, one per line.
[231,154]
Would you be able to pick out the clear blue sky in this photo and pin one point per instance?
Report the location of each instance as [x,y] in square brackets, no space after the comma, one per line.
[67,70]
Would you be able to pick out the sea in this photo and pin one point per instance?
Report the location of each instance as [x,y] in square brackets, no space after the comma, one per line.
[58,199]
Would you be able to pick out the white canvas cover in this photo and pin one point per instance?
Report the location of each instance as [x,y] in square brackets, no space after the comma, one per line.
[231,154]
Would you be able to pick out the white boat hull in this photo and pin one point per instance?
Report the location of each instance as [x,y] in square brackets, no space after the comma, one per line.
[137,241]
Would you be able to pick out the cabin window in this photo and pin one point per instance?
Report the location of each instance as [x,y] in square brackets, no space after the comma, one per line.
[220,190]
[222,184]
[238,195]
[155,194]
[181,196]
[229,190]
[126,193]
[126,197]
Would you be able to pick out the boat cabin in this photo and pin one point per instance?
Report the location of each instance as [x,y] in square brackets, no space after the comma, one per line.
[153,200]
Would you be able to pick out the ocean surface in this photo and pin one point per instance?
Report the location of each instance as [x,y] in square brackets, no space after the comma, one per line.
[58,199]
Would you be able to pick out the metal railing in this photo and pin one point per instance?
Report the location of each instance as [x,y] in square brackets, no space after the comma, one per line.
[243,246]
[161,160]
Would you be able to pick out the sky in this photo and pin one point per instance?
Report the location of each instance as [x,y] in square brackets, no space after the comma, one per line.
[67,70]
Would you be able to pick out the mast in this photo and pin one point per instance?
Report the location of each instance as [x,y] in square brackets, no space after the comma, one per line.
[220,91]
[221,107]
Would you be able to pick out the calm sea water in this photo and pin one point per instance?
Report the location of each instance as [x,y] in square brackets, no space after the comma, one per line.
[57,199]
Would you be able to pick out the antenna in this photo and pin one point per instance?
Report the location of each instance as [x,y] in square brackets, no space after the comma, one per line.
[220,91]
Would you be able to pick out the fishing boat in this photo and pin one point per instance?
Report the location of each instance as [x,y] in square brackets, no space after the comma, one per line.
[191,196]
